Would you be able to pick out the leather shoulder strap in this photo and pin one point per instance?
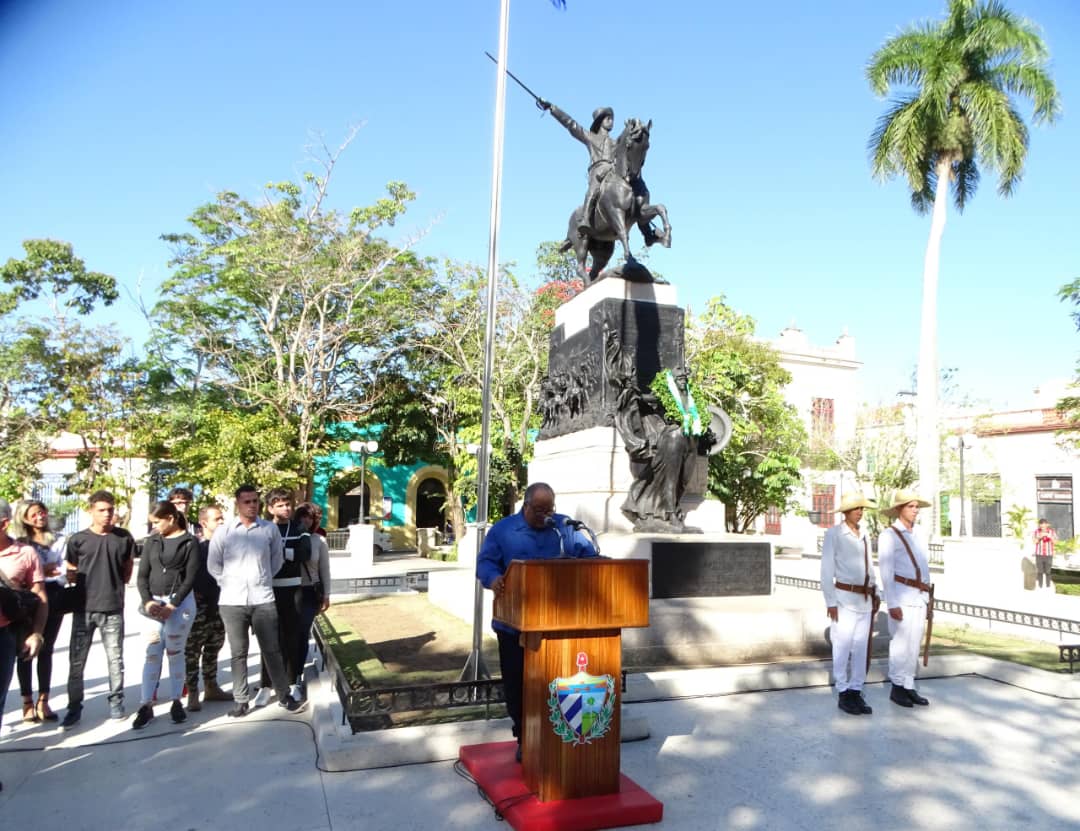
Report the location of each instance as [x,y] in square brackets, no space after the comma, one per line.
[907,548]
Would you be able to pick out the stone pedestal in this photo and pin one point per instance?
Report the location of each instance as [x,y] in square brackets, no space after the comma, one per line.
[650,329]
[362,546]
[590,472]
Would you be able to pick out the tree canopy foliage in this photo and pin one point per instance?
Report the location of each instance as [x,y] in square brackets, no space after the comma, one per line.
[759,468]
[286,307]
[59,374]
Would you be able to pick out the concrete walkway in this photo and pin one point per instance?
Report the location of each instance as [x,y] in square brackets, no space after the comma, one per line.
[986,754]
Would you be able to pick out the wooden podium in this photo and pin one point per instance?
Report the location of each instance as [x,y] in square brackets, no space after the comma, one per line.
[570,613]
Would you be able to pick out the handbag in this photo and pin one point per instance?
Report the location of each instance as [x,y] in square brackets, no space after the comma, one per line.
[17,605]
[316,584]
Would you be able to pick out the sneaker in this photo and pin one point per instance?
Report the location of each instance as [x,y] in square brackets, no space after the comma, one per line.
[239,711]
[71,718]
[294,692]
[177,712]
[143,717]
[291,704]
[262,697]
[863,706]
[117,712]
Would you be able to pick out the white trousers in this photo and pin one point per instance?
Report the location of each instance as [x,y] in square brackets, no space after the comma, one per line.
[848,635]
[905,644]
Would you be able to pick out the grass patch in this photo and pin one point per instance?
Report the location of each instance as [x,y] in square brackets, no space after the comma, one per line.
[956,639]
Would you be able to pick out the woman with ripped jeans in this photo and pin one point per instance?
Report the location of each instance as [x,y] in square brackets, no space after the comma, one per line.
[167,571]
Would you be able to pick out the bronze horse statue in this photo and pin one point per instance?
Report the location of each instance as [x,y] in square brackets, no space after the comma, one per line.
[622,201]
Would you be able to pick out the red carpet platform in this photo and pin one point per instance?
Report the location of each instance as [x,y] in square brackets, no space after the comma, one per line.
[500,777]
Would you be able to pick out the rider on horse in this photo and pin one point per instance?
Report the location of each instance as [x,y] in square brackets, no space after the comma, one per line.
[601,153]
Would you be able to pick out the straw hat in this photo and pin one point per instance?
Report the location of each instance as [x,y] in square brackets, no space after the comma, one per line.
[854,500]
[903,497]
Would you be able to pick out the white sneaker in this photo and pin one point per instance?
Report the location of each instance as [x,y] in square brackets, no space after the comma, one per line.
[262,697]
[294,691]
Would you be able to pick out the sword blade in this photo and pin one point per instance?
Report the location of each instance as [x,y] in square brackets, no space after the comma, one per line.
[515,78]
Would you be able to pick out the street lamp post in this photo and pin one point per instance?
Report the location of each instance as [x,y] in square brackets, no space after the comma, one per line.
[961,442]
[365,449]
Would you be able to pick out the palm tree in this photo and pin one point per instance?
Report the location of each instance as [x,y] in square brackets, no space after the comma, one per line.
[954,111]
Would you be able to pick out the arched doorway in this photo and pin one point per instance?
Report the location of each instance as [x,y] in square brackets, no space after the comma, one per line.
[430,503]
[354,505]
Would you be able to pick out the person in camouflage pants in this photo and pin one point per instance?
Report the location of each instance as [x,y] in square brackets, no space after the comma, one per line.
[208,631]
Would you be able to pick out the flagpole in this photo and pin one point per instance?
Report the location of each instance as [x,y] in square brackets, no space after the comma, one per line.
[475,668]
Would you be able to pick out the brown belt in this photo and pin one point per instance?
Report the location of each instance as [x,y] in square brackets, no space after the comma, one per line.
[848,587]
[908,581]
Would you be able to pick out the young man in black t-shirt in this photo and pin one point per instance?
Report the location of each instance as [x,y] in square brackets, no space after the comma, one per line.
[102,558]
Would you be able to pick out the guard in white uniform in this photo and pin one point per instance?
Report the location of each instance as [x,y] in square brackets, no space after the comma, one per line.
[905,576]
[850,588]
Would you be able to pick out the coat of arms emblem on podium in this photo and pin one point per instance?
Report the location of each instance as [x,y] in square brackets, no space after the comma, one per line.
[582,705]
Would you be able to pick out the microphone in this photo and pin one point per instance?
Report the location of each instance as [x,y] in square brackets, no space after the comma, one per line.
[576,524]
[549,522]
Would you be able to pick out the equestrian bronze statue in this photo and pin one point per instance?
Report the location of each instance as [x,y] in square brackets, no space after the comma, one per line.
[617,197]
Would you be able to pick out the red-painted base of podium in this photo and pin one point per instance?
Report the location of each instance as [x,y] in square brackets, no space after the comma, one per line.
[500,777]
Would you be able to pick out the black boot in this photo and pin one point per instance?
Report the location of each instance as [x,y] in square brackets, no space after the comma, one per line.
[864,708]
[900,696]
[848,703]
[916,698]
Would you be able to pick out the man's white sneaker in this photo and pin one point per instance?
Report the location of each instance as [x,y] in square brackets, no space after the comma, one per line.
[262,697]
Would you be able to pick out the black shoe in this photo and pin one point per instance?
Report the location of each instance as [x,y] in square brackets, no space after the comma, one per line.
[291,704]
[177,712]
[71,718]
[517,754]
[848,704]
[239,711]
[864,708]
[900,696]
[143,717]
[916,698]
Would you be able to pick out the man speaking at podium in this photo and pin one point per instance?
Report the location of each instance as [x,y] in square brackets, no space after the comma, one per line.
[534,533]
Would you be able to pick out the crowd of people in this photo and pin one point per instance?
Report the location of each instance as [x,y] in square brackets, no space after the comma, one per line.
[199,583]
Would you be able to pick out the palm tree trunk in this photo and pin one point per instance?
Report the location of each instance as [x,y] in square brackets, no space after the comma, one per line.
[927,441]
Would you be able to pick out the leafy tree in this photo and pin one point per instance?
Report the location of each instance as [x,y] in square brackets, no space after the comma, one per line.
[290,307]
[883,453]
[433,406]
[57,374]
[759,468]
[1069,406]
[954,112]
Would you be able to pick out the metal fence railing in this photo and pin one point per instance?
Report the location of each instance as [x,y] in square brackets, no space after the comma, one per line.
[338,540]
[1031,619]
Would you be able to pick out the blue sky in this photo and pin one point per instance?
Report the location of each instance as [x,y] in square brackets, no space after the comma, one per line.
[118,118]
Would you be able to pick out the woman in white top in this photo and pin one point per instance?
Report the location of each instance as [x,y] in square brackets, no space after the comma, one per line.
[31,526]
[314,582]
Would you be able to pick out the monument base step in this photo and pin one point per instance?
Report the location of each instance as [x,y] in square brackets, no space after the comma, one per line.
[501,779]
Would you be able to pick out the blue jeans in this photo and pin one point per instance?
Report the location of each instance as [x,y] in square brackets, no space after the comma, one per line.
[169,637]
[83,625]
[8,651]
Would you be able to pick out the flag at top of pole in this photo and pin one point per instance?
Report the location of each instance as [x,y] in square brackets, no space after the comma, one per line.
[559,4]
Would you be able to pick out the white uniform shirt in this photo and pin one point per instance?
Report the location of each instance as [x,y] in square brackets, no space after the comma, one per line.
[893,559]
[845,558]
